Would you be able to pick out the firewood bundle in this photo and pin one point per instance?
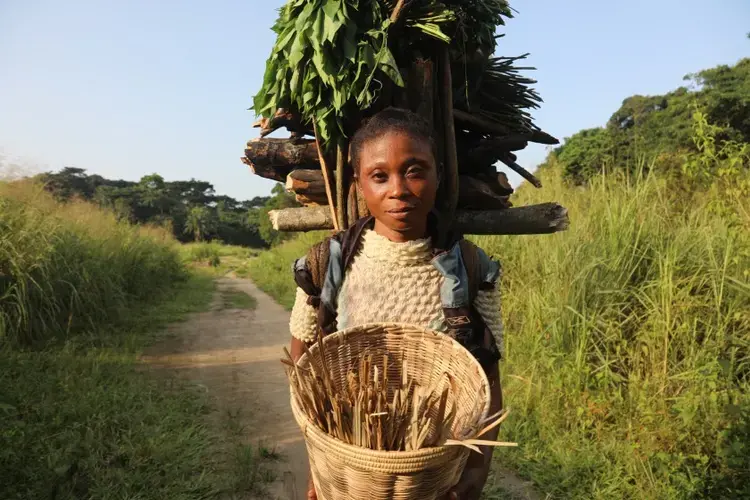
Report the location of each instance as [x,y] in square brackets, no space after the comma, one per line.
[337,62]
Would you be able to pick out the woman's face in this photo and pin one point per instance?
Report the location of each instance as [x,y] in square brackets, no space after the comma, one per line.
[398,177]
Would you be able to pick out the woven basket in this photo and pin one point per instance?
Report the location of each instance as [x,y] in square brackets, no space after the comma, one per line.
[344,472]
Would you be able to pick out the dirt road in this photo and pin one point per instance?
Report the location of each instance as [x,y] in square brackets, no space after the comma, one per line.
[234,355]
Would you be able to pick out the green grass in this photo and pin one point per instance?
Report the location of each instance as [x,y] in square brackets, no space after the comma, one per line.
[627,363]
[80,421]
[236,299]
[628,343]
[271,270]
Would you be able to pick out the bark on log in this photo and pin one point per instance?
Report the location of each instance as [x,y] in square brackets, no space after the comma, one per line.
[282,153]
[267,172]
[305,181]
[311,200]
[474,194]
[544,218]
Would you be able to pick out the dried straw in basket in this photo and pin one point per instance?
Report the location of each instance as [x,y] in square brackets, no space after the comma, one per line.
[384,403]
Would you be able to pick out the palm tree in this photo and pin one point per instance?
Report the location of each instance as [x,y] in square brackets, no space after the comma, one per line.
[197,222]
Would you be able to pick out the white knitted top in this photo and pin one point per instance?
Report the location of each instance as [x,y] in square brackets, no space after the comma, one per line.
[392,282]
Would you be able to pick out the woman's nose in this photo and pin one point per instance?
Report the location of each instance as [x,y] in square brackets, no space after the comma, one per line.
[398,188]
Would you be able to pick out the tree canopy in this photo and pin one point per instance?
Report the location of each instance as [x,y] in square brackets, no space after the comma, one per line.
[191,208]
[661,126]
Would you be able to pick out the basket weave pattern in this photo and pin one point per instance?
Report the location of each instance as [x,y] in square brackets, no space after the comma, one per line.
[345,472]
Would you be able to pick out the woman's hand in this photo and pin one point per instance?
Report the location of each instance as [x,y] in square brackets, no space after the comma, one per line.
[311,494]
[472,481]
[477,469]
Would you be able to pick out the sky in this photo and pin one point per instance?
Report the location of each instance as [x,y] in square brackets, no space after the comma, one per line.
[129,88]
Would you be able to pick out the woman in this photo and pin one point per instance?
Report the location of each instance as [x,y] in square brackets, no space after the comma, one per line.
[389,264]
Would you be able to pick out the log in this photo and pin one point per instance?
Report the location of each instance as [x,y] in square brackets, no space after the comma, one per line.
[475,194]
[280,153]
[306,182]
[544,218]
[267,172]
[311,200]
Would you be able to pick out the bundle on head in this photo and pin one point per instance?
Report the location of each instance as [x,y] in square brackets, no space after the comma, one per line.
[337,62]
[388,411]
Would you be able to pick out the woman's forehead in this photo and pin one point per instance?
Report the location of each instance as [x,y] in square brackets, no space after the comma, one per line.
[396,143]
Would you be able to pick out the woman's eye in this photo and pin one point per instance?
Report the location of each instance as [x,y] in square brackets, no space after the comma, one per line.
[379,177]
[415,171]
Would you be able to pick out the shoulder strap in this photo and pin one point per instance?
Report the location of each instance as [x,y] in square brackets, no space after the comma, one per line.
[310,270]
[473,265]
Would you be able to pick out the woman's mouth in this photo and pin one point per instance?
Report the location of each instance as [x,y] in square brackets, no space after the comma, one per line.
[401,213]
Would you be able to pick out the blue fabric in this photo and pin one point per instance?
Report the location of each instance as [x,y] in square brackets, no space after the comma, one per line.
[454,291]
[299,264]
[490,268]
[334,276]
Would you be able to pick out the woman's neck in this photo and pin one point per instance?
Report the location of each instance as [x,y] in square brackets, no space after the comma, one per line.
[400,236]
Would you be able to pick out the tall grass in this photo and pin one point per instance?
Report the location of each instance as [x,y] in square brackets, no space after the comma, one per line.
[68,267]
[628,343]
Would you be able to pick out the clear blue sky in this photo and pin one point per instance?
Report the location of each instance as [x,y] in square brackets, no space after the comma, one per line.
[129,88]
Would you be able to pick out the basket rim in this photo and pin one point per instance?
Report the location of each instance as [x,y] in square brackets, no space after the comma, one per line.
[422,452]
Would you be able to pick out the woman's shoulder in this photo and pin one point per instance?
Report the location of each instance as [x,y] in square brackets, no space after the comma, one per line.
[480,266]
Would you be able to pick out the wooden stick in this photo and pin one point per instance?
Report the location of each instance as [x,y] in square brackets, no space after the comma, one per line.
[521,171]
[397,11]
[340,195]
[449,135]
[544,218]
[326,179]
[489,127]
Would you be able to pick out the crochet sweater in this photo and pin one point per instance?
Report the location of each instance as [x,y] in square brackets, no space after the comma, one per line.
[393,282]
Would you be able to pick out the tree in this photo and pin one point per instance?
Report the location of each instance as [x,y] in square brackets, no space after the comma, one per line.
[198,223]
[280,199]
[661,126]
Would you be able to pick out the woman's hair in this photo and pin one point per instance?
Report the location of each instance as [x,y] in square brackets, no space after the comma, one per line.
[390,120]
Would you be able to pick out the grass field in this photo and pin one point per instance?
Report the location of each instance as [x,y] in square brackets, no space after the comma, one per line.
[627,341]
[81,295]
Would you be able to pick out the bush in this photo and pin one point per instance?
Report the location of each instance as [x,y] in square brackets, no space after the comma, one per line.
[65,267]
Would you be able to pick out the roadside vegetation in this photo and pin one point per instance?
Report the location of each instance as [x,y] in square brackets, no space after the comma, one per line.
[81,294]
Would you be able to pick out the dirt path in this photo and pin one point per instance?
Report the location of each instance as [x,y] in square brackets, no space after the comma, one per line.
[234,355]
